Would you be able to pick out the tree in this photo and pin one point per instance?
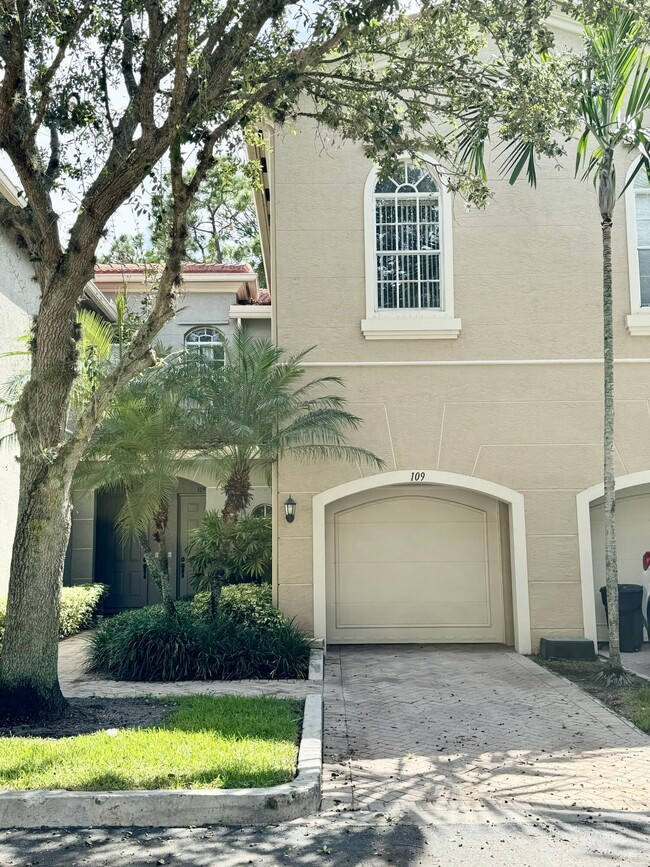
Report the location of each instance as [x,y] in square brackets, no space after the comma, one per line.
[257,406]
[611,93]
[221,221]
[96,95]
[141,448]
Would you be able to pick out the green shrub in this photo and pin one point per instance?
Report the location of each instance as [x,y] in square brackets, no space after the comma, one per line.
[247,604]
[248,639]
[240,553]
[78,607]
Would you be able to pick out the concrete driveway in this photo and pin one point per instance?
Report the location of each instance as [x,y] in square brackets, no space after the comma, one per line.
[472,734]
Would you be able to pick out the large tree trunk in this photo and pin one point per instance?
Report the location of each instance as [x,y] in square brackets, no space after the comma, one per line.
[30,685]
[611,561]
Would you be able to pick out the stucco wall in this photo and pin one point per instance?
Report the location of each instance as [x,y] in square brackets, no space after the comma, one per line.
[527,288]
[19,296]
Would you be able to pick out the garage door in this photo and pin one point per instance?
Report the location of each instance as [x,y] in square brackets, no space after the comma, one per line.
[632,540]
[408,566]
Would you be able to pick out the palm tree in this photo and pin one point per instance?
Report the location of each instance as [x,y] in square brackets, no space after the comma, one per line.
[612,95]
[141,448]
[258,406]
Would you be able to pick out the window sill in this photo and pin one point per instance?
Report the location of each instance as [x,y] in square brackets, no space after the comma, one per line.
[414,328]
[638,324]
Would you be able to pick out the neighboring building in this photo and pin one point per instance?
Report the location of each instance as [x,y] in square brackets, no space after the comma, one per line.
[217,299]
[471,344]
[19,299]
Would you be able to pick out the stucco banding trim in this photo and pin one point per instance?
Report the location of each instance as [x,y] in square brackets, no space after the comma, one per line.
[518,555]
[180,808]
[584,499]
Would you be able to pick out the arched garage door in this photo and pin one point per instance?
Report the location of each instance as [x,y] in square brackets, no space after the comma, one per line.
[412,564]
[632,541]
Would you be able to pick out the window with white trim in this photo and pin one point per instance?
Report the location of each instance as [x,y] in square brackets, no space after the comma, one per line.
[637,211]
[407,236]
[264,510]
[409,285]
[642,219]
[207,341]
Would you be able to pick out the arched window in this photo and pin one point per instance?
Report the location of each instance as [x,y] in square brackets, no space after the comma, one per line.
[264,510]
[409,289]
[207,341]
[407,241]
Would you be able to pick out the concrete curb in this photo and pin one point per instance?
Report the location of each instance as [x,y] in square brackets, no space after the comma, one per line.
[316,664]
[180,808]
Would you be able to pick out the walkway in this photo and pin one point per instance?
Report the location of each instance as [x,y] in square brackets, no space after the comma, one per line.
[75,683]
[481,732]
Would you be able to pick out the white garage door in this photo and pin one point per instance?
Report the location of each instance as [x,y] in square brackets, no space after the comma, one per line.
[408,566]
[632,540]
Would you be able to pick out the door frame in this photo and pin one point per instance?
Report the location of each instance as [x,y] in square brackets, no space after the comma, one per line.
[419,478]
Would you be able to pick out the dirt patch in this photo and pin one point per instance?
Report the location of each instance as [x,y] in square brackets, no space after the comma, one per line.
[87,715]
[631,702]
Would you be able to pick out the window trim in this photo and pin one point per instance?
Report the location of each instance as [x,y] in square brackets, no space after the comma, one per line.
[262,506]
[638,320]
[417,323]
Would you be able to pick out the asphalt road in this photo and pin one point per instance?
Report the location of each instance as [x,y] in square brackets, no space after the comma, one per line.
[342,841]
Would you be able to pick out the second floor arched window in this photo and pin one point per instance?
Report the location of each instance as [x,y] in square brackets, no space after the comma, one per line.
[407,241]
[207,341]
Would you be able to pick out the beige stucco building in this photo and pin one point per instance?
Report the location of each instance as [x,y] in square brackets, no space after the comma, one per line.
[470,343]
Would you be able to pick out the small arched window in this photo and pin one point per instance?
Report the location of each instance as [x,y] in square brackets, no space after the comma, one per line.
[642,219]
[264,510]
[207,341]
[407,241]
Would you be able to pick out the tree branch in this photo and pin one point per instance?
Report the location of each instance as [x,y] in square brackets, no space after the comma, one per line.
[44,82]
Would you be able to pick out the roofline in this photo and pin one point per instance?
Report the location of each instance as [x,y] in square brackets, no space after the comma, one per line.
[10,191]
[97,297]
[250,311]
[214,277]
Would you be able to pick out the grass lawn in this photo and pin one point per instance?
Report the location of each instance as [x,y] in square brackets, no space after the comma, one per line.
[632,702]
[205,742]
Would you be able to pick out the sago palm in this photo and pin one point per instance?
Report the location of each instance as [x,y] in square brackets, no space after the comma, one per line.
[258,406]
[611,94]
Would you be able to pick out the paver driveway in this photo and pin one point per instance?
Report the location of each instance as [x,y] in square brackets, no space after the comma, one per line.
[476,731]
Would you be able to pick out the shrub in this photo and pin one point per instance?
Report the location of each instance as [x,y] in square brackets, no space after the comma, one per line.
[78,608]
[248,639]
[237,554]
[247,604]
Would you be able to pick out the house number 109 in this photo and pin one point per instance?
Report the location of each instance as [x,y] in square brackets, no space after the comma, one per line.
[417,477]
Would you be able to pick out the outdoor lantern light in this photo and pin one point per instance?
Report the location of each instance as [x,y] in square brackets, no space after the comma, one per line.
[290,509]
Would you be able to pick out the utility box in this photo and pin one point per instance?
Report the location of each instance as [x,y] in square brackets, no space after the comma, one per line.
[566,648]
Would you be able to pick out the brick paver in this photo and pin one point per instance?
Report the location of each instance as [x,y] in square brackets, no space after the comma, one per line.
[480,731]
[76,683]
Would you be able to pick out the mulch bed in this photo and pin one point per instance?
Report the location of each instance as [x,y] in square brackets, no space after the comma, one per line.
[88,715]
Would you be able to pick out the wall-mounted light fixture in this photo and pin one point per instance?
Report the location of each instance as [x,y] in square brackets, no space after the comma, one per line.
[290,509]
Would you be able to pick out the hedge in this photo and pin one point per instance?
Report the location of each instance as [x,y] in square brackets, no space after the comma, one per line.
[79,606]
[248,638]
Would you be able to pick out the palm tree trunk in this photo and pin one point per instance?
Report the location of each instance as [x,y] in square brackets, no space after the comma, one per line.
[611,562]
[239,493]
[158,562]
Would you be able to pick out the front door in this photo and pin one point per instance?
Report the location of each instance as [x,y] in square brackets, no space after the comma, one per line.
[191,509]
[118,564]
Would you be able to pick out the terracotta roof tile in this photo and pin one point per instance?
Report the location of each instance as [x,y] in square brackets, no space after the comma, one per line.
[188,268]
